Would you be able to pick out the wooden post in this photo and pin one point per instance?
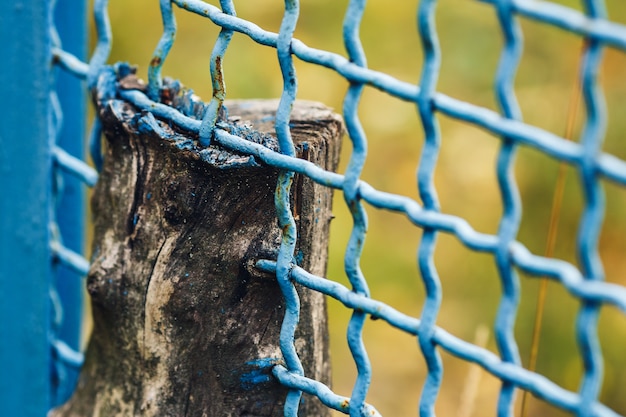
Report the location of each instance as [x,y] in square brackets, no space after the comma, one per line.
[184,324]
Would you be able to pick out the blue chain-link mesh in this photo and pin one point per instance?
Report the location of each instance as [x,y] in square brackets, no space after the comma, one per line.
[68,174]
[586,283]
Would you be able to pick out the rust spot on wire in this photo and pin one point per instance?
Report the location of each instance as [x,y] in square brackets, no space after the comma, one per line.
[345,404]
[156,61]
[220,89]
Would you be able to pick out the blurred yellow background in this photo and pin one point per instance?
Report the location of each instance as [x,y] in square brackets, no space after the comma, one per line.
[465,178]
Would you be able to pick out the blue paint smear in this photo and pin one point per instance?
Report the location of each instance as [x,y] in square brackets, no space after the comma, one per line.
[260,372]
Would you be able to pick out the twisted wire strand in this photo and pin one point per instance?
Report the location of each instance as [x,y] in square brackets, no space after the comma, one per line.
[155,80]
[562,271]
[286,220]
[104,41]
[549,143]
[512,211]
[55,124]
[352,256]
[217,78]
[321,391]
[586,156]
[535,383]
[592,216]
[428,194]
[607,32]
[62,354]
[552,145]
[96,63]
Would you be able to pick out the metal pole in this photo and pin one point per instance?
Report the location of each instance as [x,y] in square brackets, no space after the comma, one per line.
[25,184]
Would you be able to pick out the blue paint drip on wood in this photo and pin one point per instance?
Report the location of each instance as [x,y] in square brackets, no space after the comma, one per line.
[258,371]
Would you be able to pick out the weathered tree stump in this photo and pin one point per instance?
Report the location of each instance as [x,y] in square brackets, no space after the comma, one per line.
[184,324]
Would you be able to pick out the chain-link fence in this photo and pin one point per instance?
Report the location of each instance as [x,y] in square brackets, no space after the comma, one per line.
[595,167]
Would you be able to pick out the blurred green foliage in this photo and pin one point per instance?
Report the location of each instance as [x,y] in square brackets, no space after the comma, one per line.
[465,178]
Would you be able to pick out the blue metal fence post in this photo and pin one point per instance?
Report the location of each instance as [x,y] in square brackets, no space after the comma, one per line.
[71,24]
[25,165]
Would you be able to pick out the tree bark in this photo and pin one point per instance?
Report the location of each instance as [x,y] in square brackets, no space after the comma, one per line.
[184,324]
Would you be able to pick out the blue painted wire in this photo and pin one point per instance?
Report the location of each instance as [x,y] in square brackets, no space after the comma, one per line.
[428,194]
[586,156]
[288,72]
[70,63]
[562,271]
[75,166]
[592,216]
[70,259]
[351,38]
[103,43]
[607,32]
[537,384]
[55,123]
[321,391]
[536,265]
[217,78]
[162,50]
[56,116]
[65,295]
[96,63]
[292,301]
[504,327]
[507,251]
[68,355]
[540,139]
[61,355]
[286,220]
